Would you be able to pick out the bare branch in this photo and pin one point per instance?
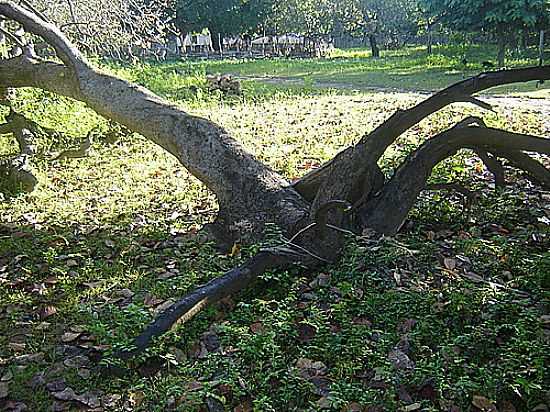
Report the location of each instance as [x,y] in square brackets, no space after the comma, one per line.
[494,165]
[477,102]
[33,24]
[360,158]
[33,9]
[535,170]
[13,38]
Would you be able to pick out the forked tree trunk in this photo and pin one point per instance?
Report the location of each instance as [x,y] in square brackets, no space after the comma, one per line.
[310,212]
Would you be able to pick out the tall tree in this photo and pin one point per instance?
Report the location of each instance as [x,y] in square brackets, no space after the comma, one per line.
[222,17]
[502,18]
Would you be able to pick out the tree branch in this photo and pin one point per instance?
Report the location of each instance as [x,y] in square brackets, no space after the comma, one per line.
[494,166]
[49,32]
[535,170]
[371,147]
[386,212]
[212,292]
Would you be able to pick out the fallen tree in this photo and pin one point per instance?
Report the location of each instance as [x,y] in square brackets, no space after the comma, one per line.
[313,213]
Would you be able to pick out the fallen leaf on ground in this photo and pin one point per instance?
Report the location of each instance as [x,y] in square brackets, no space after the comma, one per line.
[66,394]
[4,389]
[69,337]
[449,263]
[400,360]
[306,332]
[484,404]
[47,311]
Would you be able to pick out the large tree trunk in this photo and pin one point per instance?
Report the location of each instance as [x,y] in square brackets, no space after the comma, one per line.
[311,213]
[501,55]
[429,39]
[217,39]
[374,46]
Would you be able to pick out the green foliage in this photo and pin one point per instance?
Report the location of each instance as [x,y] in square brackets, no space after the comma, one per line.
[222,16]
[502,16]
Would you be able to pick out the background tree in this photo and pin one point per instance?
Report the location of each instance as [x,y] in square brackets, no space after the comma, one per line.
[111,27]
[223,17]
[502,18]
[370,19]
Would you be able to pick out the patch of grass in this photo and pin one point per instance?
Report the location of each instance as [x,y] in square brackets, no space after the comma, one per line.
[107,239]
[409,69]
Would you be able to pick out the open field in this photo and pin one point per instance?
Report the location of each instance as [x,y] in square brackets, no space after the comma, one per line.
[401,70]
[107,241]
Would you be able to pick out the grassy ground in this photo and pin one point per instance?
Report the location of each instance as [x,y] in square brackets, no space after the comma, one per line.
[451,314]
[409,69]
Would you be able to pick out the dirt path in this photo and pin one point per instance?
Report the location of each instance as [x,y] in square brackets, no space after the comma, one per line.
[537,104]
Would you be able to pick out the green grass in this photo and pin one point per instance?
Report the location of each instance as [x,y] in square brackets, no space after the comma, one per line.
[408,69]
[99,235]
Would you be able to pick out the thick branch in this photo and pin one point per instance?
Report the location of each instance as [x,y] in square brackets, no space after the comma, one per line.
[364,155]
[386,212]
[215,290]
[535,170]
[23,71]
[494,165]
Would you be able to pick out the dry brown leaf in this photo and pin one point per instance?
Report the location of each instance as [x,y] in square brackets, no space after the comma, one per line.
[235,250]
[400,360]
[89,399]
[150,300]
[245,406]
[507,406]
[70,337]
[474,277]
[484,404]
[306,332]
[15,406]
[47,312]
[353,407]
[257,327]
[66,394]
[362,320]
[449,263]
